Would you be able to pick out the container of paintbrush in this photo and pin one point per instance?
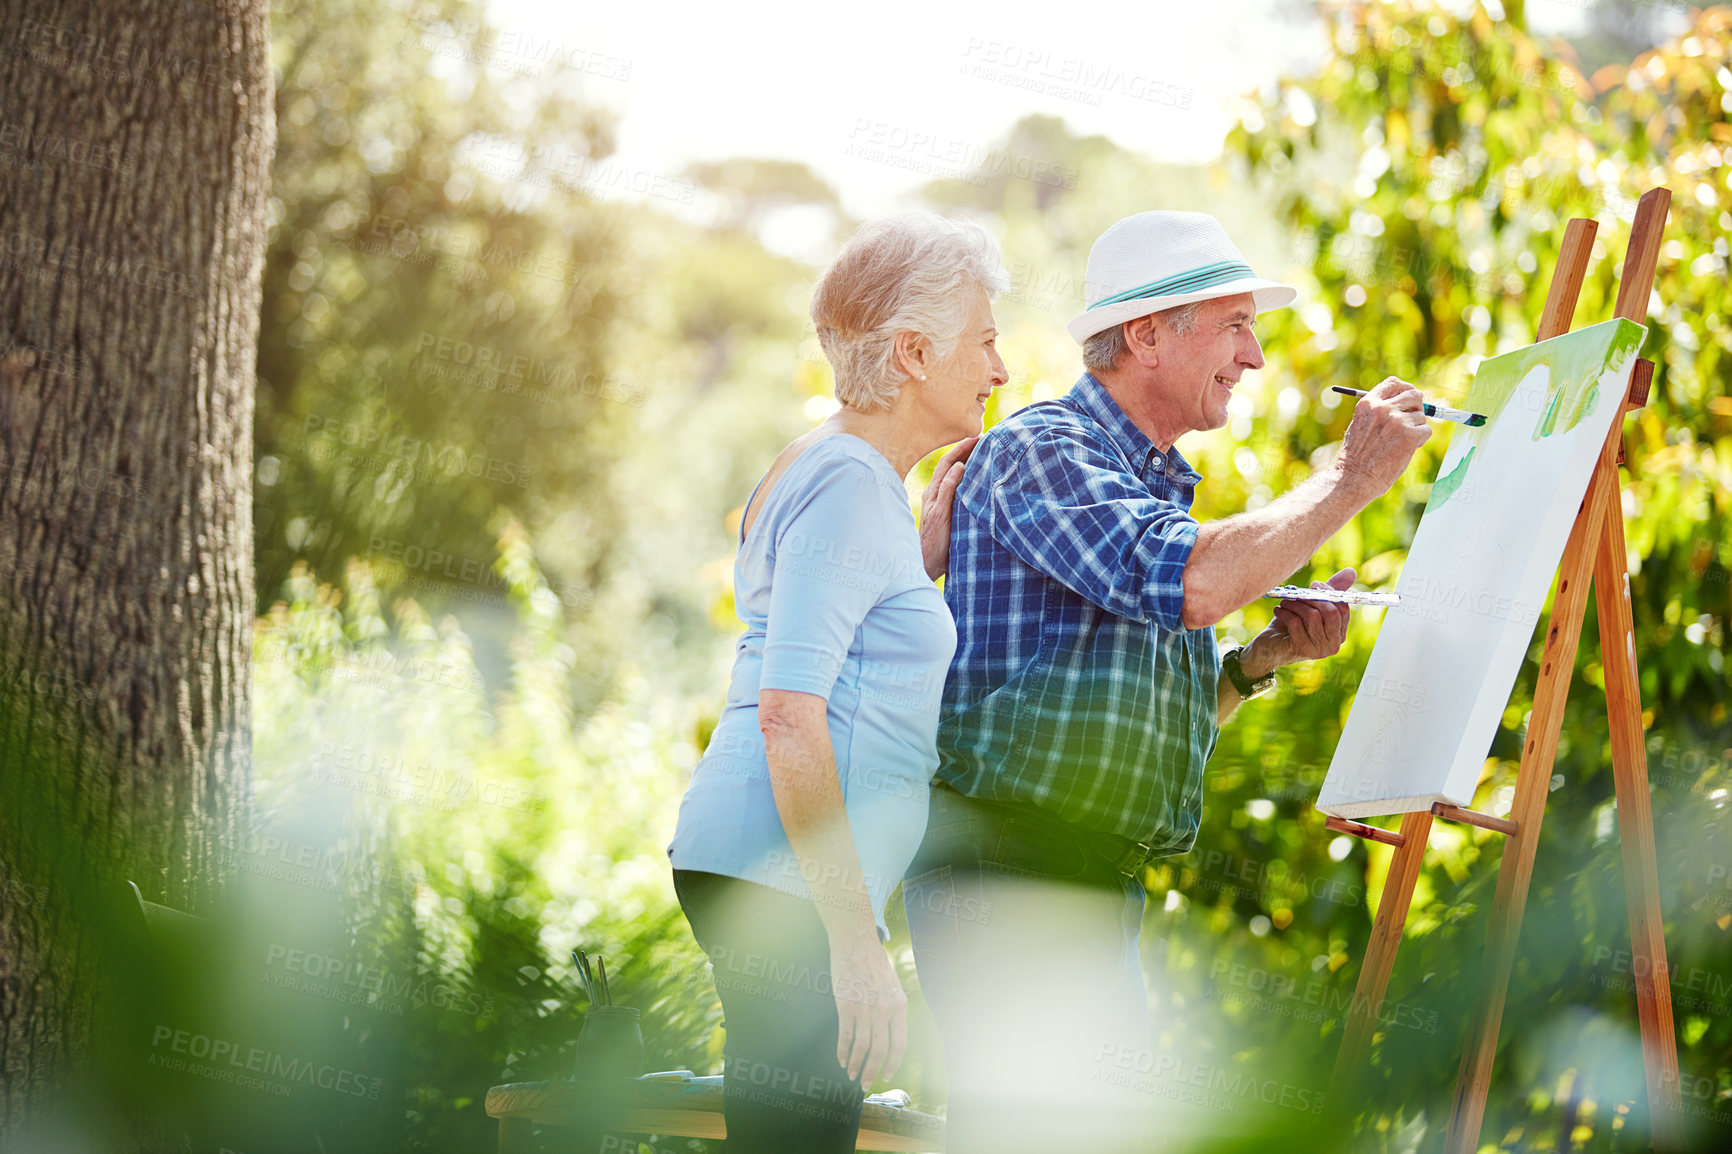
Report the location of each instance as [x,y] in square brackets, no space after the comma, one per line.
[611,1042]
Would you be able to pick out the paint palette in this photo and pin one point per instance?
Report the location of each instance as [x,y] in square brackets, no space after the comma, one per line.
[1339,596]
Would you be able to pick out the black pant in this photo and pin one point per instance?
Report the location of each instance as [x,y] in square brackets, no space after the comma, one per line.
[783,1089]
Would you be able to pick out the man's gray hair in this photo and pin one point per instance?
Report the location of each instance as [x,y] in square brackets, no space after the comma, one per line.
[1103,350]
[905,273]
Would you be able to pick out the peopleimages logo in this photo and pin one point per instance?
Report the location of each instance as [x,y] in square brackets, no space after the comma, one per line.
[120,58]
[326,439]
[51,149]
[223,1060]
[398,778]
[1067,77]
[1273,992]
[40,256]
[792,865]
[556,375]
[374,987]
[932,152]
[1223,870]
[837,555]
[765,976]
[1170,1076]
[1693,988]
[881,781]
[1430,599]
[512,51]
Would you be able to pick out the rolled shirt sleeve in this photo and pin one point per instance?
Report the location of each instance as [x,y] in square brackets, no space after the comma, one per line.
[834,559]
[1095,528]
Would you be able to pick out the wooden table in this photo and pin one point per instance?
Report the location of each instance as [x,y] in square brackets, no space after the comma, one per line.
[677,1109]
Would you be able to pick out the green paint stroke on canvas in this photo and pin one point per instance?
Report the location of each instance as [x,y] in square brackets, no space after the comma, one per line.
[1575,362]
[1445,487]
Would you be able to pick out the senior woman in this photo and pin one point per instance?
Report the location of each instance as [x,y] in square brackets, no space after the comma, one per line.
[811,797]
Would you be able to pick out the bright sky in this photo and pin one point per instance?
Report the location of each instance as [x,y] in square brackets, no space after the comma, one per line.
[874,96]
[880,98]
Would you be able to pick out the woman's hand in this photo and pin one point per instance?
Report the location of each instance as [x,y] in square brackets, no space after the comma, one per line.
[935,506]
[871,1009]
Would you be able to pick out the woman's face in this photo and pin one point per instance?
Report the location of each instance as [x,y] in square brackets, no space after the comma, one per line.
[956,388]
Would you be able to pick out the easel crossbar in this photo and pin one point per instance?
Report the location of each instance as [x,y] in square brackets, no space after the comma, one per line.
[1368,832]
[1449,812]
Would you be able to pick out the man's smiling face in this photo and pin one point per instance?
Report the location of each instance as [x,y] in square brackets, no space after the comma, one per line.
[1198,369]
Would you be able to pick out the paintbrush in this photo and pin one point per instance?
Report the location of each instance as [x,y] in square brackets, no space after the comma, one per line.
[1440,412]
[583,975]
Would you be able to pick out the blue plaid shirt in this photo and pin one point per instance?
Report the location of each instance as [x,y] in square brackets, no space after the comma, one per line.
[1076,686]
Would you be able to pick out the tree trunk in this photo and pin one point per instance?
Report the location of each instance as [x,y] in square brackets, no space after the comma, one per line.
[135,146]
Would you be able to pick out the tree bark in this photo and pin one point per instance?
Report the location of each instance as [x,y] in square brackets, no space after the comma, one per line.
[135,147]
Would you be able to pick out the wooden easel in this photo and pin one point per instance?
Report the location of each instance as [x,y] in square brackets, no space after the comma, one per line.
[1596,548]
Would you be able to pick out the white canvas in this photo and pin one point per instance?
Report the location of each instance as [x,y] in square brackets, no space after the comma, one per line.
[1478,573]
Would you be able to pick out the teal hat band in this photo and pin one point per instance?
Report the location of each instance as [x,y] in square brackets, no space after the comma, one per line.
[1206,277]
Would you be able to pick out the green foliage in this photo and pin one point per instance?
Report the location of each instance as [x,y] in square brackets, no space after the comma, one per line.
[510,739]
[463,319]
[1427,173]
[434,346]
[515,838]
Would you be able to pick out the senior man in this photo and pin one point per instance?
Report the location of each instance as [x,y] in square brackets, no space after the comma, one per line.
[1086,693]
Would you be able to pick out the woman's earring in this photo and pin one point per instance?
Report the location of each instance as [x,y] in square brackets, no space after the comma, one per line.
[923,376]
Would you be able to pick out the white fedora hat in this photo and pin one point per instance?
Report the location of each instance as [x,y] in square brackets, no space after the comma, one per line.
[1160,260]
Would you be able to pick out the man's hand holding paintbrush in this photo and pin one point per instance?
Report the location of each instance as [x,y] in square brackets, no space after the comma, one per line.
[1238,559]
[1341,593]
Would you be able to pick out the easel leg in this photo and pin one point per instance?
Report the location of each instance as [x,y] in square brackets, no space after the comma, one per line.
[1636,829]
[1557,663]
[1533,781]
[1379,962]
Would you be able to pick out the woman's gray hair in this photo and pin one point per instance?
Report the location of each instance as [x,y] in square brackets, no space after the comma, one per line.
[905,273]
[1103,350]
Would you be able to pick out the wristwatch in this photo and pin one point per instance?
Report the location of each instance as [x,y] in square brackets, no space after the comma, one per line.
[1246,688]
